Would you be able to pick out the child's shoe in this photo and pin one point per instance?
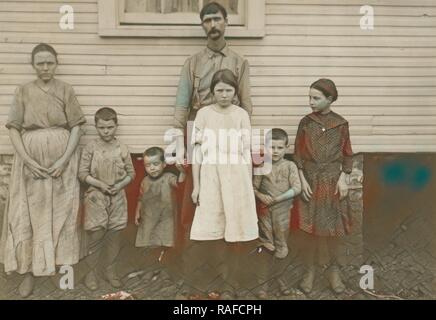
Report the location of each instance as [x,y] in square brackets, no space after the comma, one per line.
[91,281]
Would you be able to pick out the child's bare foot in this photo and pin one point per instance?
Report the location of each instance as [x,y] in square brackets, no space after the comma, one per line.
[113,278]
[284,290]
[156,275]
[26,287]
[335,280]
[433,284]
[262,294]
[281,253]
[227,295]
[307,283]
[91,281]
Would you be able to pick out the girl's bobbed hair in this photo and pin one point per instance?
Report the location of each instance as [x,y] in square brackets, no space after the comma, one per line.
[226,76]
[327,87]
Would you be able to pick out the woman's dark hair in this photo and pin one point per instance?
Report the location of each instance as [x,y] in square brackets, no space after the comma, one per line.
[211,8]
[226,76]
[43,47]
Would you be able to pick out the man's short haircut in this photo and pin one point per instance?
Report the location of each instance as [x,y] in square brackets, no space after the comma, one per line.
[155,151]
[212,8]
[278,134]
[106,114]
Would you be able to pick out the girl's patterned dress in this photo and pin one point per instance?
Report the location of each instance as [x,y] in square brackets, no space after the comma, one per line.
[323,151]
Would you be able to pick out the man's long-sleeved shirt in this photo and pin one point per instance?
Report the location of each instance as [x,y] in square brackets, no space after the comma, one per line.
[194,85]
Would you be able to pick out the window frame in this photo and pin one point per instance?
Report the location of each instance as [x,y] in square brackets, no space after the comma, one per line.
[176,18]
[109,24]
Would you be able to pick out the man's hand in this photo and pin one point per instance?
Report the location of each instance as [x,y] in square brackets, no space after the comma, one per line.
[195,195]
[181,167]
[137,218]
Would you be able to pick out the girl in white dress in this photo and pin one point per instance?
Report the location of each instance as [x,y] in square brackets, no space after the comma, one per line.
[222,174]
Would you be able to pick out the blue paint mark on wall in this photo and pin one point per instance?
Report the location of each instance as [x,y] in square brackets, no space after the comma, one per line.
[406,173]
[421,178]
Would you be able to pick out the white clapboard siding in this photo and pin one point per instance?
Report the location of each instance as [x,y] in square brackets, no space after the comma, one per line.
[386,77]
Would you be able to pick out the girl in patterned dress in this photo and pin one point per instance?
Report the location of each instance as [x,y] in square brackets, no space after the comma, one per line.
[323,156]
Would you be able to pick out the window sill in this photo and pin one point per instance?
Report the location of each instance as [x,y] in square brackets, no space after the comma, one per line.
[176,32]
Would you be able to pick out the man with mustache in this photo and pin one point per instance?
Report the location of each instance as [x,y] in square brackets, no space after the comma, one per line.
[194,86]
[194,89]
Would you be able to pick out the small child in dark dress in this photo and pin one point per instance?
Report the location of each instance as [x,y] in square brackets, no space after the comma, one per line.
[156,209]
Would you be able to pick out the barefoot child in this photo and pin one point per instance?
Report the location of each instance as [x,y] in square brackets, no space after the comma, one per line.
[323,155]
[276,191]
[106,166]
[156,209]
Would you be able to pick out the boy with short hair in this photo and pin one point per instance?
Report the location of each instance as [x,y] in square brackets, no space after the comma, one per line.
[107,168]
[276,191]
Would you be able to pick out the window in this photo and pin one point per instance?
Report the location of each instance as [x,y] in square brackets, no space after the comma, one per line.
[176,18]
[175,12]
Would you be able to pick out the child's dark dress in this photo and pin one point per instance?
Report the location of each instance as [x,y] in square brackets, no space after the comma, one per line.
[323,151]
[158,212]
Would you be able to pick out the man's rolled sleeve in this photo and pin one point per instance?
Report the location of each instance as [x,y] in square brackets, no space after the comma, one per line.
[183,97]
[244,88]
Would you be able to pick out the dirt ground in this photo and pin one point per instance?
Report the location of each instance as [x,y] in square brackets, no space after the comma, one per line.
[402,268]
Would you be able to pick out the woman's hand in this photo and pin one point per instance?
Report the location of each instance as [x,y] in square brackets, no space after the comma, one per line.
[306,190]
[194,196]
[342,188]
[37,171]
[57,168]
